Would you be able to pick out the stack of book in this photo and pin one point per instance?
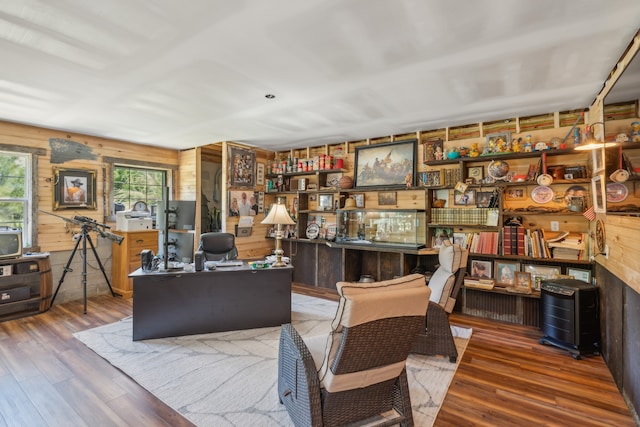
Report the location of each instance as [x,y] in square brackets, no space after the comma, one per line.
[473,282]
[570,246]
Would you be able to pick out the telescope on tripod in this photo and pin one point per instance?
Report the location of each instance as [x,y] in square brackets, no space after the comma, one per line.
[86,225]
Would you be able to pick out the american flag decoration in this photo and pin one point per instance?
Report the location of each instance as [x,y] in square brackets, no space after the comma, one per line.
[590,214]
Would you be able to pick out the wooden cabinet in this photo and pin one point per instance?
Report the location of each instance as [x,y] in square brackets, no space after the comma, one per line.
[25,286]
[126,258]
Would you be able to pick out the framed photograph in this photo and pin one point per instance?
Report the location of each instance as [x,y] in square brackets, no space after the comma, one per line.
[579,274]
[597,160]
[496,141]
[385,165]
[242,167]
[440,235]
[433,150]
[359,198]
[515,193]
[540,273]
[244,203]
[325,202]
[466,198]
[74,189]
[260,173]
[387,198]
[598,191]
[522,281]
[477,173]
[432,179]
[505,272]
[483,199]
[481,269]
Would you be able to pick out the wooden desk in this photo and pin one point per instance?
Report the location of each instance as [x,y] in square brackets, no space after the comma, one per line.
[167,304]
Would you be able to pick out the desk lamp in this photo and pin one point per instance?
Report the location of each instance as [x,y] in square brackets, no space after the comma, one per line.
[590,142]
[278,215]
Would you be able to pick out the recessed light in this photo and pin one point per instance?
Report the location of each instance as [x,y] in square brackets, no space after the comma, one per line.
[270,96]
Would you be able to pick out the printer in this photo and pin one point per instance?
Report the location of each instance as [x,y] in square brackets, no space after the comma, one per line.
[133,221]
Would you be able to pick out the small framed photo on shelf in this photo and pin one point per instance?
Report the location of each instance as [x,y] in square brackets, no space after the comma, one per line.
[483,199]
[481,269]
[477,173]
[540,273]
[465,198]
[579,274]
[516,193]
[597,160]
[598,191]
[325,203]
[432,179]
[387,198]
[498,140]
[359,198]
[440,235]
[433,150]
[522,282]
[505,272]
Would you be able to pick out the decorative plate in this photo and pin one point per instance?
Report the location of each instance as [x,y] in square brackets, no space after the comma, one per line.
[313,230]
[616,192]
[542,194]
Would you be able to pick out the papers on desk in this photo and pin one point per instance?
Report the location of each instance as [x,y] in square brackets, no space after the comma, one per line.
[245,221]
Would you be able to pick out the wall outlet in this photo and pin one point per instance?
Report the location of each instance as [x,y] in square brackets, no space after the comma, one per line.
[555,226]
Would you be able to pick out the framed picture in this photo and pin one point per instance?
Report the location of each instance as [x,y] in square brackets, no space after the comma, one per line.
[483,199]
[505,272]
[540,273]
[465,198]
[516,193]
[260,173]
[359,198]
[477,173]
[433,150]
[325,202]
[481,269]
[440,235]
[598,191]
[497,141]
[597,160]
[432,179]
[74,189]
[522,281]
[385,165]
[244,203]
[579,274]
[386,198]
[242,167]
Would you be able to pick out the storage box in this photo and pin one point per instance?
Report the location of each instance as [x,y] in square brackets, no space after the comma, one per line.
[15,294]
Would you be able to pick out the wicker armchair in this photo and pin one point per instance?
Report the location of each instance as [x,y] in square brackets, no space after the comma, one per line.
[445,284]
[357,372]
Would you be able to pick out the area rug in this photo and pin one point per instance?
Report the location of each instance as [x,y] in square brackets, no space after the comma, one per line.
[230,378]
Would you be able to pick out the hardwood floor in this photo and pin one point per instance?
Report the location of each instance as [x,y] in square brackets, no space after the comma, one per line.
[48,378]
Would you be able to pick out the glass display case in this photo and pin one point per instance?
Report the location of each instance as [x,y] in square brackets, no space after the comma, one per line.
[404,228]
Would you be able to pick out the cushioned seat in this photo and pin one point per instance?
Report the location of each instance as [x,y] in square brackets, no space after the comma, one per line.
[218,246]
[357,372]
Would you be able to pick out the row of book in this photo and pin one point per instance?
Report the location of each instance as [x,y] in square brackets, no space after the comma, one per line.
[476,216]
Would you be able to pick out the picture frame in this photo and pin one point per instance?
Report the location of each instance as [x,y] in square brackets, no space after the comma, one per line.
[385,165]
[260,173]
[491,139]
[481,269]
[387,198]
[325,202]
[74,189]
[433,150]
[504,272]
[243,203]
[432,179]
[515,193]
[540,273]
[477,173]
[598,192]
[242,167]
[522,281]
[579,274]
[466,198]
[597,161]
[440,235]
[483,199]
[359,198]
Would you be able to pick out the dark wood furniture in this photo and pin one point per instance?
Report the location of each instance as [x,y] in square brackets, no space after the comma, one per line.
[27,289]
[179,303]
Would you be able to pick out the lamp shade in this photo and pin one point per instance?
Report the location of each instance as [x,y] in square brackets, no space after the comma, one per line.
[591,143]
[278,215]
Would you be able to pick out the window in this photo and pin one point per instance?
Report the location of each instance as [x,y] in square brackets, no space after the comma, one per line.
[133,184]
[16,193]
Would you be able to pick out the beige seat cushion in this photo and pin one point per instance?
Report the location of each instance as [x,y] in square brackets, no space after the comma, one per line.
[450,257]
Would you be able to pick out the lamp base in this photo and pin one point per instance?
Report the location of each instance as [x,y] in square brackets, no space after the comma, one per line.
[279,263]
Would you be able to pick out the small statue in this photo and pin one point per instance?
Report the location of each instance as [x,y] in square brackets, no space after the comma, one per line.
[473,150]
[407,180]
[635,133]
[516,145]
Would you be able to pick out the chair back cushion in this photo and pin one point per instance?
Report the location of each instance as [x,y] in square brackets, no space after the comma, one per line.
[450,257]
[366,304]
[217,246]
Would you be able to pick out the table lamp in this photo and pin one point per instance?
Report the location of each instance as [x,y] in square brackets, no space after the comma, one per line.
[278,215]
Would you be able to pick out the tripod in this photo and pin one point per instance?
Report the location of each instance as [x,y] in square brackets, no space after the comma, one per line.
[84,237]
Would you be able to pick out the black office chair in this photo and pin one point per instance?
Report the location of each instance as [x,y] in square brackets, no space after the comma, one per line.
[218,246]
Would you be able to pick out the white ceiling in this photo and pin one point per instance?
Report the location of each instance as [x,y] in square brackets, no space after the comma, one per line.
[188,73]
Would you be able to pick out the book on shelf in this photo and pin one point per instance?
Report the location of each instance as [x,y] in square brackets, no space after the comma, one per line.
[471,282]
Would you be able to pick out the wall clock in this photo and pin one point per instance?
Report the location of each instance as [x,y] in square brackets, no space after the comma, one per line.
[600,236]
